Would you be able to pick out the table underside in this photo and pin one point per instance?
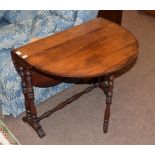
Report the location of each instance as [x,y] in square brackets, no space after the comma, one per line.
[30,77]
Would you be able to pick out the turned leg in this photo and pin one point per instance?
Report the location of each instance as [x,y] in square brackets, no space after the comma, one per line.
[25,92]
[109,94]
[29,103]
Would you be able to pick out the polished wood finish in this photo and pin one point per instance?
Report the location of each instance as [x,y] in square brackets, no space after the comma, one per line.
[89,53]
[100,46]
[149,12]
[112,15]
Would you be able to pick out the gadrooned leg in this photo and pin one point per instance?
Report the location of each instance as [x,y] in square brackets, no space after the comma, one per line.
[108,102]
[31,116]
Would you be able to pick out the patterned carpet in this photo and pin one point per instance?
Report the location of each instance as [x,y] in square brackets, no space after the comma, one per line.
[6,137]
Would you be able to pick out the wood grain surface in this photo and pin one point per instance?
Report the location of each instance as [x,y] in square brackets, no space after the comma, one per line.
[95,48]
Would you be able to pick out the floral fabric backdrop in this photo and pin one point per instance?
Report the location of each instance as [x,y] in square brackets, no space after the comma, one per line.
[16,29]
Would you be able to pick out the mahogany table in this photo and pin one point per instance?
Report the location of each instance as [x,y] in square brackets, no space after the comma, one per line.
[89,53]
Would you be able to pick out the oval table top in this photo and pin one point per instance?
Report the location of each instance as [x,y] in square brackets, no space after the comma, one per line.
[95,48]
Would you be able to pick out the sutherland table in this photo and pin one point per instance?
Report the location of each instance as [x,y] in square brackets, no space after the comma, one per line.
[89,53]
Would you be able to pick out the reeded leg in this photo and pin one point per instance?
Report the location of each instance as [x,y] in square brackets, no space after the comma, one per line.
[31,113]
[108,102]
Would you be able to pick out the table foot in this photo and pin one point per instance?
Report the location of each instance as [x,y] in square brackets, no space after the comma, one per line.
[36,126]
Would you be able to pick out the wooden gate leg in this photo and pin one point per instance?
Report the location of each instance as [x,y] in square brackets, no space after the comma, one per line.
[31,114]
[109,94]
